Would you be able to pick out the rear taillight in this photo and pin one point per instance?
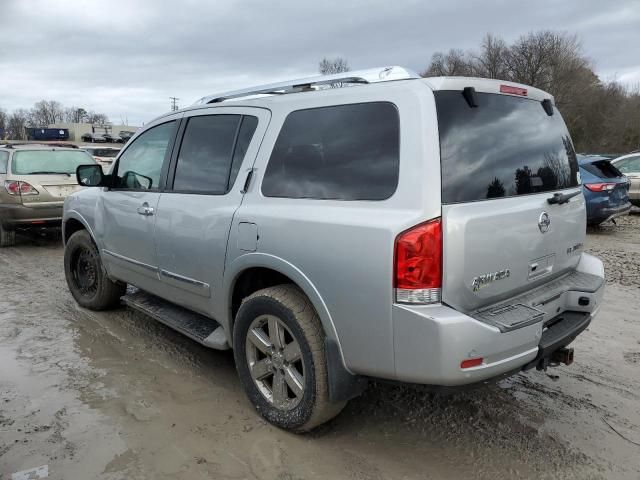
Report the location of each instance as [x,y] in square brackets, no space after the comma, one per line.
[418,264]
[600,187]
[19,188]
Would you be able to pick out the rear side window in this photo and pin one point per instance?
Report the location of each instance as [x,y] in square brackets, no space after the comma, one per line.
[344,152]
[504,147]
[602,169]
[629,165]
[209,156]
[4,158]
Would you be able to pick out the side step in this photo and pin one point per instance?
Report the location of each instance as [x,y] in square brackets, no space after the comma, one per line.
[202,329]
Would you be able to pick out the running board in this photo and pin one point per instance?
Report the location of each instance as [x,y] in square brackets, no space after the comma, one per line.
[202,329]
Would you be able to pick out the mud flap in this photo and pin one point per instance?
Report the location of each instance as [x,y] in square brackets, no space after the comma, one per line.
[343,385]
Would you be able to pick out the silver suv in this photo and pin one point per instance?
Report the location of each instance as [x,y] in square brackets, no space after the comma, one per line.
[418,230]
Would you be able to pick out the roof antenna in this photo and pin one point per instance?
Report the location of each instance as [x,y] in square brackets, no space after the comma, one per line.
[548,106]
[469,94]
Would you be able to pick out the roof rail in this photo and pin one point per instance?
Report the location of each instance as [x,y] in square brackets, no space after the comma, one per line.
[374,75]
[43,144]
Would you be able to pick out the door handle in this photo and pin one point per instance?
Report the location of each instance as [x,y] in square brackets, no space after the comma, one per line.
[145,210]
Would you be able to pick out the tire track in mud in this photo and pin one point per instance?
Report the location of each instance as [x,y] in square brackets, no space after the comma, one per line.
[143,388]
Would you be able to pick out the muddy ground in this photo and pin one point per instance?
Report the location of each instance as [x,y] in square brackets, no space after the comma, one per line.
[118,396]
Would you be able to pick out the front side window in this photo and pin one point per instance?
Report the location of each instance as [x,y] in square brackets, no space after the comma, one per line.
[629,165]
[206,154]
[343,152]
[4,157]
[49,162]
[140,165]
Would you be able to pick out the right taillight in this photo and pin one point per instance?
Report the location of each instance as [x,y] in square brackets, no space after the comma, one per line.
[19,188]
[600,187]
[418,264]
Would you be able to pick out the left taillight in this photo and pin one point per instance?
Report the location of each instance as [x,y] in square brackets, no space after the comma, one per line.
[418,264]
[600,187]
[14,187]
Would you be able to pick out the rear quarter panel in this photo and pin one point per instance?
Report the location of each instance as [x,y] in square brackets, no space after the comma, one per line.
[345,248]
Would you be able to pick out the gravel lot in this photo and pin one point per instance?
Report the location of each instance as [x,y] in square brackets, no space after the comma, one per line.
[118,396]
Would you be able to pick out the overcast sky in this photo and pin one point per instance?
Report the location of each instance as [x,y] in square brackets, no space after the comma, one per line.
[126,58]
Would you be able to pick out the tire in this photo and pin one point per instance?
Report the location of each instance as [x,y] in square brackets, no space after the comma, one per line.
[298,324]
[7,237]
[86,277]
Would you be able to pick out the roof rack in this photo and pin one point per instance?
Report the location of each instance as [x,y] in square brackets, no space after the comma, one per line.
[51,144]
[374,75]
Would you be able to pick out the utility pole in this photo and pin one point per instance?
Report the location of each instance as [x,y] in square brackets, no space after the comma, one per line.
[174,103]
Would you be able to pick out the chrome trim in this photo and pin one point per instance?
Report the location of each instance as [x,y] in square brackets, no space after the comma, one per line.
[191,281]
[130,260]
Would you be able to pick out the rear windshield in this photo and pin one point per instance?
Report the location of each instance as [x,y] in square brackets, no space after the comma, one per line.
[504,147]
[104,152]
[31,162]
[602,169]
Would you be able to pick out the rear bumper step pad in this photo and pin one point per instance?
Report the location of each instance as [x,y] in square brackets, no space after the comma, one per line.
[521,311]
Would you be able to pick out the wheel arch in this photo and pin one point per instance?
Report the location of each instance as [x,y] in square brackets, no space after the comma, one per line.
[343,384]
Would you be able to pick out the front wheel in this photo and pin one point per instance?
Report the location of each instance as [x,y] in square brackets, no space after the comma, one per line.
[86,277]
[279,352]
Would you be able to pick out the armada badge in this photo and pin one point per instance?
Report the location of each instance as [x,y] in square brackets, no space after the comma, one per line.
[482,281]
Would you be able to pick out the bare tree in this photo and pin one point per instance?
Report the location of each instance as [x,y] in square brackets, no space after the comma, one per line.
[16,124]
[491,61]
[96,118]
[3,119]
[46,112]
[330,66]
[75,115]
[454,62]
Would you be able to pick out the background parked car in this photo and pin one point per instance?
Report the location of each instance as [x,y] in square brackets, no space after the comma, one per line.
[112,138]
[94,138]
[630,166]
[605,188]
[103,155]
[34,181]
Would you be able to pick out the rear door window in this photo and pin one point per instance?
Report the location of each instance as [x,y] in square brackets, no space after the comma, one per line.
[212,149]
[504,147]
[343,152]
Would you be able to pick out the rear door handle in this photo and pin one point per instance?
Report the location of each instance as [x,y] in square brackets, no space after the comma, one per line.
[145,210]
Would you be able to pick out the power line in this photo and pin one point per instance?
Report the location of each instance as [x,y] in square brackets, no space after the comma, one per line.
[174,103]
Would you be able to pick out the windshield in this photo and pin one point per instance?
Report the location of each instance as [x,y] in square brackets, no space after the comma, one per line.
[104,152]
[506,146]
[31,162]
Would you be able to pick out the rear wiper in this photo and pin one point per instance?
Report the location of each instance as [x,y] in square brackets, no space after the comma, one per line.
[50,173]
[561,198]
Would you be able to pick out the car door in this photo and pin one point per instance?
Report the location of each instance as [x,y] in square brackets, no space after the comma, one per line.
[630,166]
[204,189]
[128,207]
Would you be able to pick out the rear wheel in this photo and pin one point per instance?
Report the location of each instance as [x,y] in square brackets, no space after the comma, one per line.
[7,237]
[86,277]
[279,352]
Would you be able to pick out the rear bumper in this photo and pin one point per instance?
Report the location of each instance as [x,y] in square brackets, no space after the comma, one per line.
[431,341]
[601,214]
[16,216]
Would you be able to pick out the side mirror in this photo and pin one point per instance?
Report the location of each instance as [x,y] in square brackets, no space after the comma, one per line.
[90,176]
